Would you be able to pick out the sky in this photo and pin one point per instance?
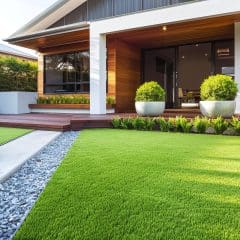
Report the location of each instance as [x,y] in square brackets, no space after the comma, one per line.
[16,13]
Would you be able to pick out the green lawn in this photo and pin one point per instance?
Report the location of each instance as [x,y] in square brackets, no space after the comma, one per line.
[8,134]
[118,184]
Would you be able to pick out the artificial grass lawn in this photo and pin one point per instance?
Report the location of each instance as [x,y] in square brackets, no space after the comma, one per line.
[119,184]
[8,134]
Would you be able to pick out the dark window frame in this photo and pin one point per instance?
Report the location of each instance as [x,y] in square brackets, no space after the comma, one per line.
[75,82]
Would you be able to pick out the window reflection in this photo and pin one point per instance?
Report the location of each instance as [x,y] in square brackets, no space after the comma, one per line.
[67,73]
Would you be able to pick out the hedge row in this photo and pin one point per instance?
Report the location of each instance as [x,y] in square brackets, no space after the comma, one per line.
[17,75]
[69,100]
[180,124]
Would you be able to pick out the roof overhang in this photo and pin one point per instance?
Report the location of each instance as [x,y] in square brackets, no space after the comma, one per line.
[48,17]
[69,34]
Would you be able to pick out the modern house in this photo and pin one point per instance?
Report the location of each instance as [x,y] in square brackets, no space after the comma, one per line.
[8,51]
[110,47]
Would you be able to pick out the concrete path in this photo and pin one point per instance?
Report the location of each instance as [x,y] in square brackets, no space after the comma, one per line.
[14,154]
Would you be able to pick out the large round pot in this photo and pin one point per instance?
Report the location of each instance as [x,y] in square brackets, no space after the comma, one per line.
[217,108]
[150,108]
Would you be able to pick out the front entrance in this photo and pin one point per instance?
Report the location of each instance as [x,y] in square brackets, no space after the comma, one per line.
[180,70]
[160,66]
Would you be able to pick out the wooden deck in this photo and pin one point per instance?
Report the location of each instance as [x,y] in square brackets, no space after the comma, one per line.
[66,122]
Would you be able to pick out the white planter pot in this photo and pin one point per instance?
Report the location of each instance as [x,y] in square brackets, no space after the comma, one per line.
[217,108]
[150,108]
[16,102]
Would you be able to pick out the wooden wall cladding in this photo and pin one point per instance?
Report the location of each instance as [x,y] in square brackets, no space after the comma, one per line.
[40,75]
[124,73]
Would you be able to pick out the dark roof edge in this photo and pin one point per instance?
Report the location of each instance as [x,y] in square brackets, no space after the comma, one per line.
[49,32]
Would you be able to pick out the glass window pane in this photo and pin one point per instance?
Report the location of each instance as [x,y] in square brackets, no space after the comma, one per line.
[67,73]
[224,57]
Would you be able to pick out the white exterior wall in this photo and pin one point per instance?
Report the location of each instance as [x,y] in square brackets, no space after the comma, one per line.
[16,102]
[164,16]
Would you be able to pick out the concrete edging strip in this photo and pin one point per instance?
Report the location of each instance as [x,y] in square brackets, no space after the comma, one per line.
[15,153]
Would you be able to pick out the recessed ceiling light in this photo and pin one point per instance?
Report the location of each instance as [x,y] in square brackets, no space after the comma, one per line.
[197,45]
[164,28]
[183,57]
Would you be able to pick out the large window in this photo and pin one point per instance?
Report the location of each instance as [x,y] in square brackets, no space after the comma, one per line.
[67,73]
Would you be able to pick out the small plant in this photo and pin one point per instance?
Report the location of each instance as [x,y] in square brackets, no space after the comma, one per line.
[171,124]
[219,88]
[116,122]
[235,123]
[150,92]
[110,100]
[201,124]
[138,123]
[162,124]
[183,125]
[219,124]
[126,123]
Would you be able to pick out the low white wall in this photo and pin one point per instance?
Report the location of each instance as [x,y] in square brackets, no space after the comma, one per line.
[16,102]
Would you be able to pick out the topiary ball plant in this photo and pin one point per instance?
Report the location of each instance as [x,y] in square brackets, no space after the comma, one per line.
[219,88]
[150,92]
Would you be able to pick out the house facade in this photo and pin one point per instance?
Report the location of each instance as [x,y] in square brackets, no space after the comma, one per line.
[101,48]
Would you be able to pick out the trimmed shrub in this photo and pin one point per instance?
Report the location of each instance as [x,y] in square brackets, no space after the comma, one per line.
[69,100]
[201,124]
[235,123]
[63,100]
[219,124]
[17,75]
[219,88]
[150,92]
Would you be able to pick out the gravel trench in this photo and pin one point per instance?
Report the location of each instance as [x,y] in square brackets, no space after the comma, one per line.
[19,193]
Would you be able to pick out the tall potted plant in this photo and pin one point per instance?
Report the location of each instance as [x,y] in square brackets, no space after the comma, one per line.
[218,95]
[150,99]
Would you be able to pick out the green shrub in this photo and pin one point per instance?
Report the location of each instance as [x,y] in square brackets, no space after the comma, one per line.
[171,124]
[183,125]
[162,123]
[219,124]
[145,124]
[69,100]
[110,100]
[178,124]
[150,92]
[201,124]
[126,123]
[219,88]
[63,100]
[17,75]
[235,123]
[116,122]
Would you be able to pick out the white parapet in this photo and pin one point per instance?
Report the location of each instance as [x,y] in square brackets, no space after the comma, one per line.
[16,102]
